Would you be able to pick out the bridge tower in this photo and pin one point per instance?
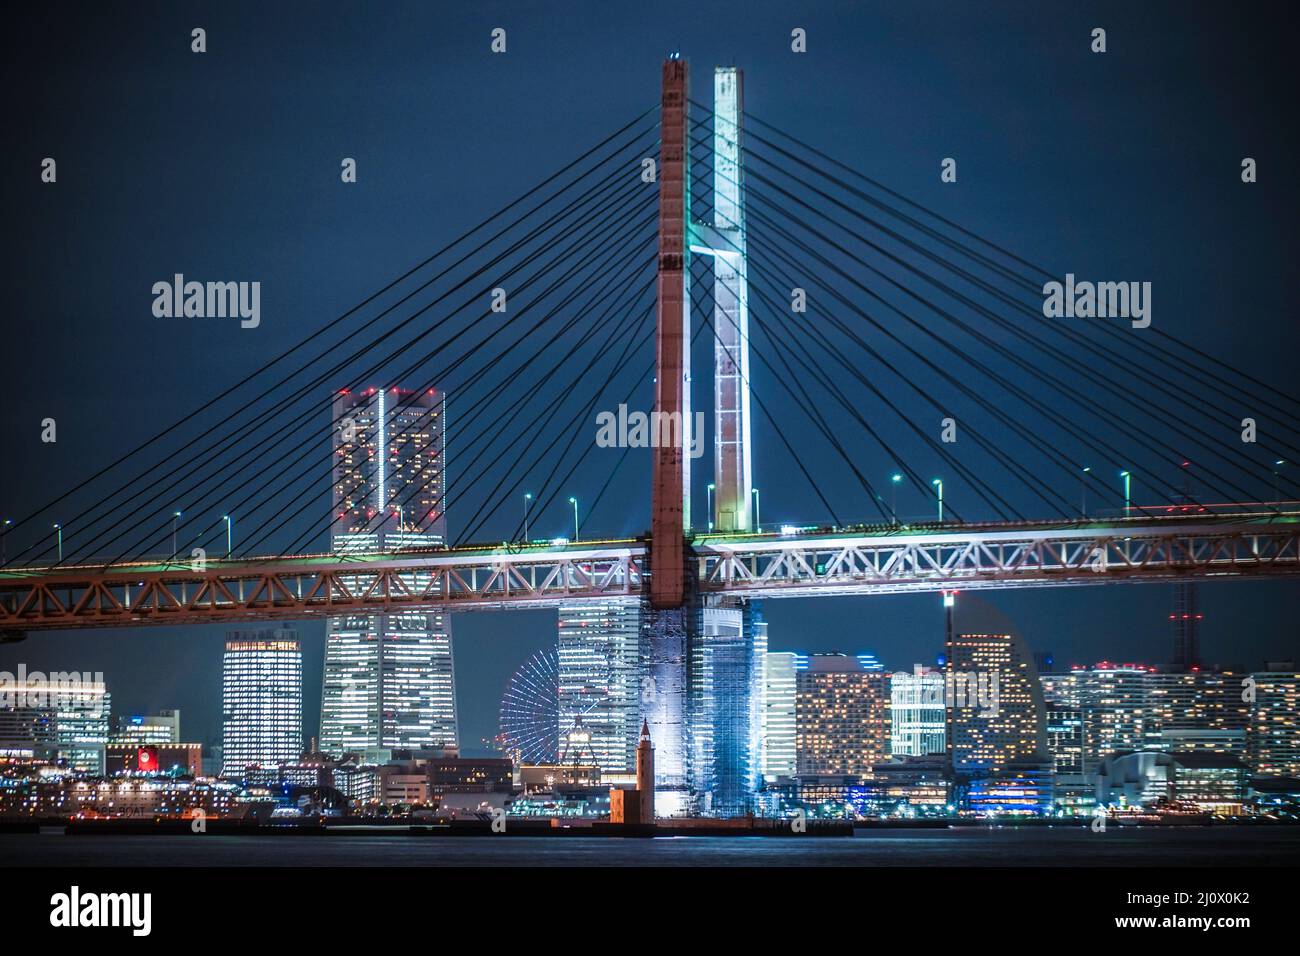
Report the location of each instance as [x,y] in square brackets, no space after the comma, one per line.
[670,615]
[701,660]
[724,241]
[670,512]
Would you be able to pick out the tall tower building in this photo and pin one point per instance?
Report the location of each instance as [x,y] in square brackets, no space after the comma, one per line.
[1274,738]
[841,715]
[725,696]
[261,700]
[996,704]
[600,681]
[916,713]
[778,720]
[388,679]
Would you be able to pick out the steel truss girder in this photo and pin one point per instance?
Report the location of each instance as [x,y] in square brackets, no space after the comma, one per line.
[798,567]
[761,566]
[285,589]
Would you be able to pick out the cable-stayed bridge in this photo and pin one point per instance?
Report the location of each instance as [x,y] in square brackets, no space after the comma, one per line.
[879,329]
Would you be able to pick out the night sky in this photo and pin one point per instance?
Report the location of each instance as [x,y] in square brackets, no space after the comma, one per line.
[226,166]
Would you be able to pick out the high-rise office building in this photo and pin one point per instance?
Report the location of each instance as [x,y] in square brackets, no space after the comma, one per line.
[1274,738]
[997,712]
[63,716]
[778,720]
[1113,704]
[1066,738]
[725,703]
[163,727]
[1199,711]
[389,680]
[600,682]
[916,713]
[261,700]
[841,715]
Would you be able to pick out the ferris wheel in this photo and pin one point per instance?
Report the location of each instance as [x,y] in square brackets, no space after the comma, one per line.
[530,711]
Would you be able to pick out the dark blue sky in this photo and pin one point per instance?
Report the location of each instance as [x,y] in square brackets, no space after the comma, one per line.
[225,165]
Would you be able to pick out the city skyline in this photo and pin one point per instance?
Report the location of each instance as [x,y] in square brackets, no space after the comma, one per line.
[1017,198]
[627,446]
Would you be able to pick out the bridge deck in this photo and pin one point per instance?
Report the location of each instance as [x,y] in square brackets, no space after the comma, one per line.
[797,563]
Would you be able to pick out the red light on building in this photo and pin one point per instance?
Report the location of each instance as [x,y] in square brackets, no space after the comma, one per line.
[146,759]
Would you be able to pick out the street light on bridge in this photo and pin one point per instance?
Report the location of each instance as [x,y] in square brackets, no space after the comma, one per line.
[758,521]
[574,502]
[1128,501]
[1083,490]
[938,483]
[175,516]
[710,507]
[58,532]
[229,526]
[528,497]
[894,479]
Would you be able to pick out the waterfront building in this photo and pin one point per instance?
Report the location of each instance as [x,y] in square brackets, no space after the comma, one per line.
[841,716]
[261,699]
[170,758]
[163,727]
[1274,725]
[916,713]
[600,683]
[1153,779]
[778,720]
[724,708]
[1199,711]
[1017,788]
[910,786]
[996,704]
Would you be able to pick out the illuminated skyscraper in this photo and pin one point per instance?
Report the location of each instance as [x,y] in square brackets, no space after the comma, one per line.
[997,711]
[389,679]
[725,696]
[62,715]
[1095,712]
[778,721]
[600,679]
[261,700]
[916,714]
[161,728]
[1199,711]
[841,715]
[1274,739]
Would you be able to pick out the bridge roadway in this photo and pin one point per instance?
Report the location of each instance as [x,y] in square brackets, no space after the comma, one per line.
[802,562]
